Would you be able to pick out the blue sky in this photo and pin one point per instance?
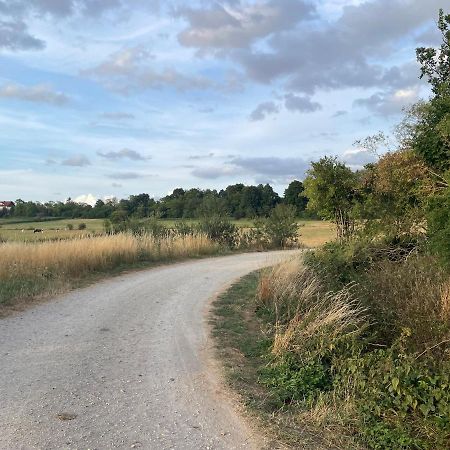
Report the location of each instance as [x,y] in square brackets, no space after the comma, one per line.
[105,98]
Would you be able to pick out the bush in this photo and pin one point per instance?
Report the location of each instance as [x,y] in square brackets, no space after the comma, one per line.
[278,230]
[339,264]
[219,229]
[290,381]
[69,226]
[82,226]
[281,227]
[403,401]
[439,226]
[184,229]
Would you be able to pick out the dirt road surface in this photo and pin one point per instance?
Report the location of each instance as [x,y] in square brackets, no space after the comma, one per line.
[125,363]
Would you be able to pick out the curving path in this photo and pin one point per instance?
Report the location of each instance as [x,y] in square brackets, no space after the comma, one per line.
[125,363]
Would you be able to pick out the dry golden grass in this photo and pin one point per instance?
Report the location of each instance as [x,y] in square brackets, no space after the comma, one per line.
[413,294]
[445,301]
[314,233]
[306,316]
[77,256]
[30,269]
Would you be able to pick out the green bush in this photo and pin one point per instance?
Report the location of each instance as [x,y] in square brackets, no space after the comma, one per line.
[82,226]
[281,227]
[219,229]
[438,219]
[403,401]
[184,229]
[290,381]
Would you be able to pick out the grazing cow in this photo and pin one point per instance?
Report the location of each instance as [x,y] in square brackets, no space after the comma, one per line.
[38,230]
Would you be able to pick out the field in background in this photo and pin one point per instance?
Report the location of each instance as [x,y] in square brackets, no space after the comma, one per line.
[312,232]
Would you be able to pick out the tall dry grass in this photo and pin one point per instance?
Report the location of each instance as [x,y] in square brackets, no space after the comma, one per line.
[29,268]
[413,294]
[307,319]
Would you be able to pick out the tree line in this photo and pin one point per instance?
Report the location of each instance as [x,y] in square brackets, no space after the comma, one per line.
[237,201]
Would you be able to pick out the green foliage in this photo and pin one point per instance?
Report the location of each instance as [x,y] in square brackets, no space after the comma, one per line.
[82,226]
[219,229]
[280,228]
[435,64]
[430,137]
[431,134]
[438,219]
[396,190]
[290,381]
[403,401]
[331,187]
[184,229]
[294,195]
[69,226]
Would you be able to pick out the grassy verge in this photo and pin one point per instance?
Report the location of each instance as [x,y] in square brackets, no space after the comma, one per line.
[243,337]
[364,365]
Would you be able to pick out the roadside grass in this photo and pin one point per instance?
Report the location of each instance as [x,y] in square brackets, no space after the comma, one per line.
[32,270]
[358,365]
[243,338]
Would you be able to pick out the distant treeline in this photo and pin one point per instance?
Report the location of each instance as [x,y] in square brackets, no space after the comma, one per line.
[236,201]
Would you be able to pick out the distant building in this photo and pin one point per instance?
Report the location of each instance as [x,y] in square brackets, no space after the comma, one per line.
[5,206]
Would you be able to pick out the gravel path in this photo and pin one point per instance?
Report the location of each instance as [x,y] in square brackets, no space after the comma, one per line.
[125,363]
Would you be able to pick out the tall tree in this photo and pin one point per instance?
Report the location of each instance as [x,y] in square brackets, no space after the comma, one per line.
[431,132]
[293,195]
[331,189]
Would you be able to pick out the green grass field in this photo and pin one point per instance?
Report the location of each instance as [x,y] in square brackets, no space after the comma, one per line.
[312,232]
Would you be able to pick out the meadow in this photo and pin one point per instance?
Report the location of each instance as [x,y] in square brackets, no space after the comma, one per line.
[312,233]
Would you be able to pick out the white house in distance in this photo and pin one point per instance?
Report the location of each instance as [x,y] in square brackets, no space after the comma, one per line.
[5,206]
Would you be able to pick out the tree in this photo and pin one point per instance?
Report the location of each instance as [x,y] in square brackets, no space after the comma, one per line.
[430,136]
[331,189]
[435,64]
[394,193]
[293,195]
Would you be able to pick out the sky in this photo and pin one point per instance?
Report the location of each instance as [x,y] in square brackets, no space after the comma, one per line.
[102,98]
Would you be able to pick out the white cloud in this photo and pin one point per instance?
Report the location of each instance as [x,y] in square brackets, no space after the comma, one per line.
[390,102]
[88,199]
[40,93]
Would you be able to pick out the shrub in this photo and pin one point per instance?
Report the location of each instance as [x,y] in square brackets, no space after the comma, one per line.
[82,226]
[403,401]
[291,381]
[183,228]
[281,227]
[439,226]
[339,264]
[219,229]
[69,226]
